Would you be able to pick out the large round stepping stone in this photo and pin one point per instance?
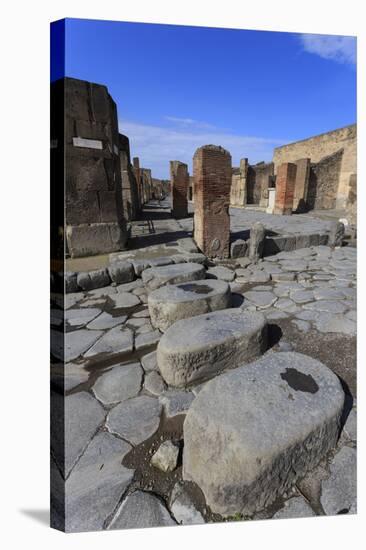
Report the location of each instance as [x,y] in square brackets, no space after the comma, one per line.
[200,347]
[173,302]
[251,433]
[155,277]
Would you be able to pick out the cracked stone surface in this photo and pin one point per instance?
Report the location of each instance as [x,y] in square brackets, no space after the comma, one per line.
[118,384]
[141,509]
[176,402]
[182,507]
[115,341]
[105,321]
[339,489]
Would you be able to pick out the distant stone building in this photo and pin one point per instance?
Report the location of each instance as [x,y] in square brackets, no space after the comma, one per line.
[130,198]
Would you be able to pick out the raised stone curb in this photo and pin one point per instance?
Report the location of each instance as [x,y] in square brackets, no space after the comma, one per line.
[201,347]
[251,433]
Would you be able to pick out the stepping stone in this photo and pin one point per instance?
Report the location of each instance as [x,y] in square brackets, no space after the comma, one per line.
[260,299]
[251,433]
[106,320]
[155,277]
[76,418]
[182,507]
[201,347]
[72,344]
[96,484]
[176,402]
[340,488]
[220,272]
[166,457]
[114,341]
[173,302]
[296,507]
[118,384]
[139,510]
[136,419]
[77,317]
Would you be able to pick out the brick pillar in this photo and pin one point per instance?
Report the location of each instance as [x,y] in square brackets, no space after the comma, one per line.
[301,184]
[285,187]
[212,182]
[179,185]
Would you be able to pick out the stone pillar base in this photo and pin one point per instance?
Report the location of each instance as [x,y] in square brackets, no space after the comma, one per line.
[95,238]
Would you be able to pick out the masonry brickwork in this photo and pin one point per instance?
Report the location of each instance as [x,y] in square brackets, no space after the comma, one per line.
[259,179]
[324,180]
[238,192]
[179,179]
[212,182]
[285,188]
[324,145]
[95,223]
[301,185]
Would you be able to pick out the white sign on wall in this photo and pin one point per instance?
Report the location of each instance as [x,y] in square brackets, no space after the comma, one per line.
[89,143]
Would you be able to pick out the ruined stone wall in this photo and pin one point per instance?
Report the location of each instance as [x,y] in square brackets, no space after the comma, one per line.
[238,191]
[146,184]
[179,180]
[95,223]
[138,176]
[130,199]
[212,182]
[301,185]
[321,146]
[285,188]
[258,180]
[351,208]
[324,179]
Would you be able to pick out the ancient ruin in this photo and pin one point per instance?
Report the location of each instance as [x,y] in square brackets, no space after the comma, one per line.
[179,181]
[285,188]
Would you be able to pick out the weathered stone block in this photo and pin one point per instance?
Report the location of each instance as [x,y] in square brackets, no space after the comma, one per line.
[93,279]
[155,277]
[200,347]
[121,272]
[285,188]
[251,433]
[238,248]
[95,238]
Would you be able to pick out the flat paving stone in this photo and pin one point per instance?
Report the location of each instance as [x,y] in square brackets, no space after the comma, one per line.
[260,299]
[183,508]
[76,418]
[156,277]
[283,276]
[174,302]
[176,402]
[105,321]
[147,339]
[303,326]
[220,272]
[77,317]
[135,419]
[129,287]
[118,384]
[296,507]
[201,347]
[302,296]
[328,322]
[96,484]
[115,341]
[125,300]
[154,383]
[350,427]
[149,362]
[141,509]
[248,419]
[258,276]
[328,306]
[74,374]
[73,344]
[328,294]
[339,490]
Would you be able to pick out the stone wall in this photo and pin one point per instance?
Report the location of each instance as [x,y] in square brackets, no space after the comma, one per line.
[130,197]
[323,145]
[351,208]
[95,223]
[179,181]
[146,184]
[212,182]
[238,192]
[324,179]
[258,181]
[285,188]
[301,185]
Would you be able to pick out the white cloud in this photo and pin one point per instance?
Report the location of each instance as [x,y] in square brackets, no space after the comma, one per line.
[189,123]
[156,145]
[338,48]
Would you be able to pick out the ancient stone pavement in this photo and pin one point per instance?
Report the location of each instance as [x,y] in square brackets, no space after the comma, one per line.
[154,335]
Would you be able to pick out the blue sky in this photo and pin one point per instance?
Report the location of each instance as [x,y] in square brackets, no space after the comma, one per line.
[179,87]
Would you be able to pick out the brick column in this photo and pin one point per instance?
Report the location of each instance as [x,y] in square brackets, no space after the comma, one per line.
[301,184]
[179,187]
[212,182]
[285,187]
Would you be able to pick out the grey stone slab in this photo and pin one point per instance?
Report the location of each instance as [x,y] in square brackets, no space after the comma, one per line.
[260,299]
[296,507]
[201,347]
[283,276]
[183,508]
[106,320]
[154,383]
[71,284]
[93,279]
[275,315]
[166,457]
[74,374]
[330,322]
[350,427]
[195,258]
[248,419]
[221,272]
[171,303]
[303,326]
[125,300]
[144,329]
[302,296]
[147,339]
[155,277]
[70,300]
[158,262]
[129,287]
[329,306]
[294,265]
[352,315]
[285,304]
[149,362]
[142,313]
[72,344]
[328,294]
[136,419]
[121,272]
[118,384]
[116,340]
[96,484]
[176,402]
[340,488]
[101,292]
[139,266]
[258,276]
[141,509]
